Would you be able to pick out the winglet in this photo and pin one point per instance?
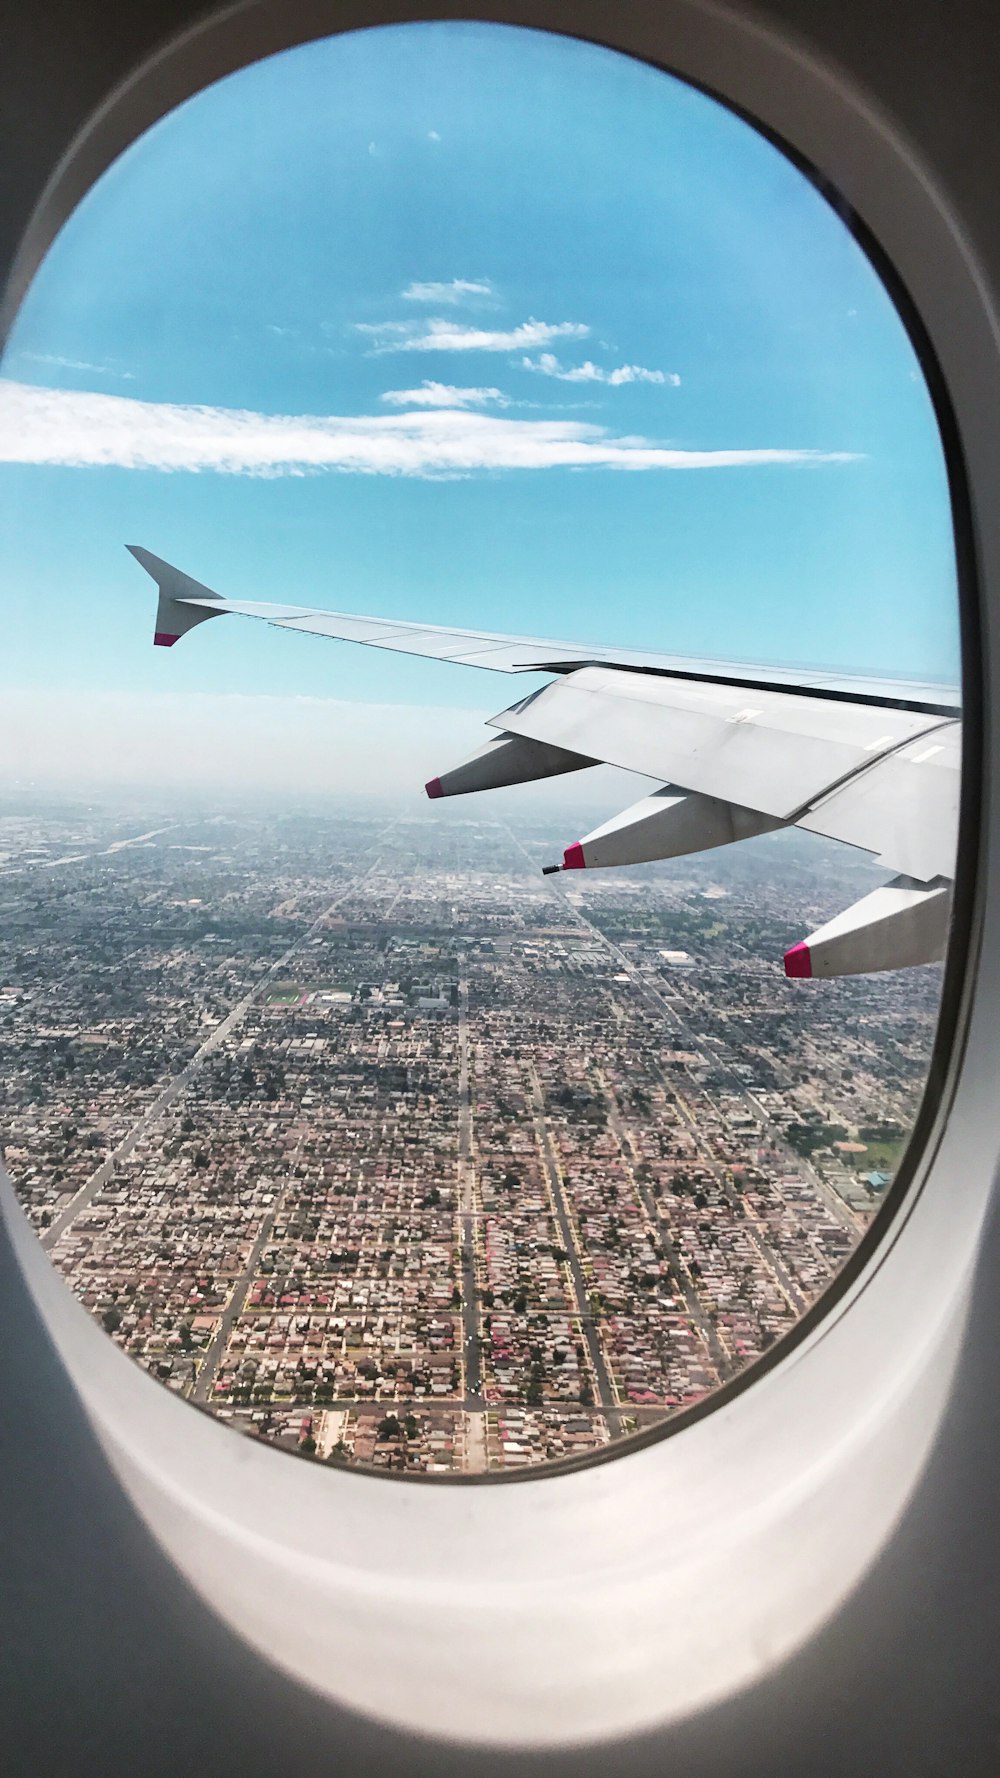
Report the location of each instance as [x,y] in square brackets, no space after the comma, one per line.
[173,618]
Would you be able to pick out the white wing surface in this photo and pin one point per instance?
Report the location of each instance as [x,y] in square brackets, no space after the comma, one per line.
[738,750]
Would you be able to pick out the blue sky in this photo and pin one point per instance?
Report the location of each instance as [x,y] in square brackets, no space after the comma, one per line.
[494,329]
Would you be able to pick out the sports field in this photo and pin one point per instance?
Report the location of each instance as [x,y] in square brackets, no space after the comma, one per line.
[284,994]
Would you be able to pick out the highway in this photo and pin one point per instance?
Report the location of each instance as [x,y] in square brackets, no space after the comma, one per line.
[137,839]
[650,992]
[678,1269]
[606,1393]
[215,1351]
[471,1350]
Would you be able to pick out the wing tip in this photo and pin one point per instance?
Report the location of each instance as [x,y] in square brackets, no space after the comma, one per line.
[434,788]
[573,858]
[798,963]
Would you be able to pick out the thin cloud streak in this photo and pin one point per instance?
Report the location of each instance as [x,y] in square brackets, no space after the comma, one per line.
[456,290]
[444,395]
[58,362]
[71,428]
[441,335]
[588,372]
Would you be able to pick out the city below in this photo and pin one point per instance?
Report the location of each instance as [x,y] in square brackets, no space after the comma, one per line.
[361,1134]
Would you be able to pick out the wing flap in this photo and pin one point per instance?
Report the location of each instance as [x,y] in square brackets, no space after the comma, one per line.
[772,751]
[904,809]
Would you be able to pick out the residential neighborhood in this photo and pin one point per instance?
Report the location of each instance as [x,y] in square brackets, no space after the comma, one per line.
[362,1135]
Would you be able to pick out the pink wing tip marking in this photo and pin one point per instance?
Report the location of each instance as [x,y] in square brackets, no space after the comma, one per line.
[163,640]
[434,789]
[798,962]
[573,858]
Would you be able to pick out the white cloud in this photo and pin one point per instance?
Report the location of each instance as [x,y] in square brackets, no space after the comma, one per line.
[440,335]
[72,428]
[549,366]
[453,292]
[444,395]
[432,136]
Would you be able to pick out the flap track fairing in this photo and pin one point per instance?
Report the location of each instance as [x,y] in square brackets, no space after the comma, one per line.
[668,824]
[902,923]
[510,759]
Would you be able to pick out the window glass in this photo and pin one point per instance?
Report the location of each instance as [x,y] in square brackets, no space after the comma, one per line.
[343,1119]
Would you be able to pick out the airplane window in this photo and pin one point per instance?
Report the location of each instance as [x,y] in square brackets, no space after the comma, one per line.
[507,380]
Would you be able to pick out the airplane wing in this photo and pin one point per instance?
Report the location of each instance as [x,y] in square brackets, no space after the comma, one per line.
[738,750]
